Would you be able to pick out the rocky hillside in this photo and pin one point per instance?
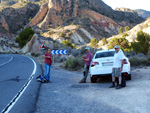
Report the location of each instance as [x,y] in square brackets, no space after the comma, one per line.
[128,15]
[93,16]
[143,13]
[12,20]
[132,34]
[8,44]
[76,20]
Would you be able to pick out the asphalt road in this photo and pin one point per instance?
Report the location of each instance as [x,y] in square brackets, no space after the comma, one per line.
[66,95]
[18,86]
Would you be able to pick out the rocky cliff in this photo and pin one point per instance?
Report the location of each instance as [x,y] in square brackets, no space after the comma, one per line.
[12,20]
[76,20]
[143,13]
[8,44]
[130,17]
[94,16]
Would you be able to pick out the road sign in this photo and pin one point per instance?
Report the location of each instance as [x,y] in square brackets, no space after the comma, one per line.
[42,46]
[58,52]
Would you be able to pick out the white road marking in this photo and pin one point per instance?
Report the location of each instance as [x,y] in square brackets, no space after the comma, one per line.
[7,61]
[18,95]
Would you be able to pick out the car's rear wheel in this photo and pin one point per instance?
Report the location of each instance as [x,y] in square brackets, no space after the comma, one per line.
[93,80]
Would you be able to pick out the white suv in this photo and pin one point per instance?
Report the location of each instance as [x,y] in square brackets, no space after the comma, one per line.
[102,62]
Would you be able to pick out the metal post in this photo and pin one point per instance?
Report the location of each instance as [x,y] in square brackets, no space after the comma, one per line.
[42,49]
[53,58]
[63,59]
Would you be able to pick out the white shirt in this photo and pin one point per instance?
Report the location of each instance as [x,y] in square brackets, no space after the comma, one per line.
[118,57]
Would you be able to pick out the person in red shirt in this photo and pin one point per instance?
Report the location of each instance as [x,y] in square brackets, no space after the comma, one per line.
[87,60]
[48,61]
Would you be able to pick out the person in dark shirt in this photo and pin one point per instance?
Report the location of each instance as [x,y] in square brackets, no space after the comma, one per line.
[87,60]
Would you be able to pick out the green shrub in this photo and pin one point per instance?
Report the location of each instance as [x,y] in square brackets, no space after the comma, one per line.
[121,42]
[124,35]
[30,19]
[148,18]
[51,32]
[137,61]
[35,54]
[104,41]
[146,25]
[142,45]
[24,37]
[61,34]
[58,27]
[72,23]
[73,46]
[127,28]
[74,64]
[94,42]
[120,30]
[68,43]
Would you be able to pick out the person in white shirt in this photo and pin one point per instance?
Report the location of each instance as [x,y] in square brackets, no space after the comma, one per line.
[117,66]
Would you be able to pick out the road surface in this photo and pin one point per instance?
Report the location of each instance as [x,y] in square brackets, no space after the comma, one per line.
[66,95]
[18,87]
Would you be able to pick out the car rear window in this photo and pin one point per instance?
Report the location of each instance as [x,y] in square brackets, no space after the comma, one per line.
[105,54]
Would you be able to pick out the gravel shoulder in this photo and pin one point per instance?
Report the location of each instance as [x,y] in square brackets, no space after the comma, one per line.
[66,95]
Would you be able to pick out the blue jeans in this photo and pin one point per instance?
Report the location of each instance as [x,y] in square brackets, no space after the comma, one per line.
[47,71]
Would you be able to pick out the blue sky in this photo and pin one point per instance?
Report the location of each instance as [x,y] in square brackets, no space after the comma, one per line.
[131,4]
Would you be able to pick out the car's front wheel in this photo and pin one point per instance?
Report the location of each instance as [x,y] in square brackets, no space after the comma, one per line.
[93,80]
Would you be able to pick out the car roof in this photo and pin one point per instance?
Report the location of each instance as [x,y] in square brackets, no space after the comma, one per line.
[106,50]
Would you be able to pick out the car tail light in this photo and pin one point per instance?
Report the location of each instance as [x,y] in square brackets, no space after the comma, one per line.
[94,64]
[94,76]
[125,61]
[124,74]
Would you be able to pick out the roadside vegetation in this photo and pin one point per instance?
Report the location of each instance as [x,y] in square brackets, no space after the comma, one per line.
[142,43]
[121,29]
[140,61]
[68,43]
[122,42]
[94,43]
[24,37]
[104,41]
[74,63]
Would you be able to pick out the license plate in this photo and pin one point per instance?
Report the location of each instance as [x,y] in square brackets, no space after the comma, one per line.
[107,64]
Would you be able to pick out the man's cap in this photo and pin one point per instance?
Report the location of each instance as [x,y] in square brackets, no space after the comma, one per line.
[117,47]
[87,48]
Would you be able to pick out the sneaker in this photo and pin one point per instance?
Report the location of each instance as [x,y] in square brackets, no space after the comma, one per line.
[82,81]
[113,86]
[119,87]
[38,79]
[45,81]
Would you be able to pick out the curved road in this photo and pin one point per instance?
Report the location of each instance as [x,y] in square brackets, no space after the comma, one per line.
[18,86]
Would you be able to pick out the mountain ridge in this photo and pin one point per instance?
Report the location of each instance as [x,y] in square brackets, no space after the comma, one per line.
[92,18]
[143,13]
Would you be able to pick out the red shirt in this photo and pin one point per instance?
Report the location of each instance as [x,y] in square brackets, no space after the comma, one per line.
[88,55]
[48,60]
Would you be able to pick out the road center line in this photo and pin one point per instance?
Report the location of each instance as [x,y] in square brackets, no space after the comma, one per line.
[18,95]
[7,61]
